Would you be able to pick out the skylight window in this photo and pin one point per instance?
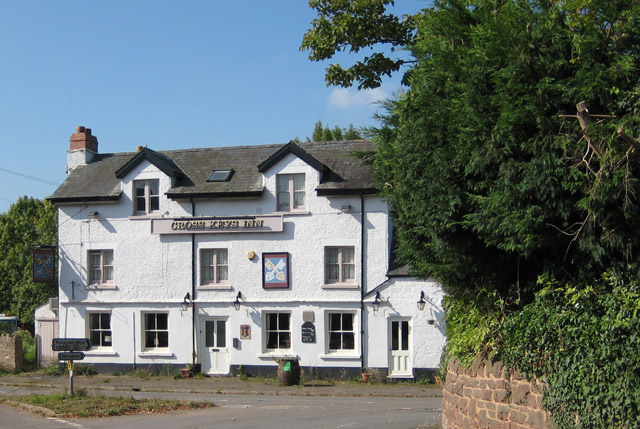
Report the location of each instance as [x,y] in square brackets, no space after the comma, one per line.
[220,175]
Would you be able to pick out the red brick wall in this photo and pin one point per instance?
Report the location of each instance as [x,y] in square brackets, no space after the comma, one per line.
[487,395]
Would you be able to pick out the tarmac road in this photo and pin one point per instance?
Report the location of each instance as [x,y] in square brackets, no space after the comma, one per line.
[240,404]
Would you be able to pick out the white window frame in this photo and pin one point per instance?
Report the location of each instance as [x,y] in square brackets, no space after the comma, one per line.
[216,283]
[145,330]
[353,331]
[266,331]
[91,268]
[147,197]
[290,178]
[341,280]
[100,329]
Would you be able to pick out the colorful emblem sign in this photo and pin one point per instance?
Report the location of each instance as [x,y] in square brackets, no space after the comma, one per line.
[44,262]
[275,270]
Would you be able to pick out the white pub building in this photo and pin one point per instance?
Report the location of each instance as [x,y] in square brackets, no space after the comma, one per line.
[237,256]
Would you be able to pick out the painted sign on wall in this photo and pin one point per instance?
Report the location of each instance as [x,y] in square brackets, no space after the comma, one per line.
[275,270]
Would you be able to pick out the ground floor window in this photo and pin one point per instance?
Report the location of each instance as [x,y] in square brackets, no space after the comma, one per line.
[156,330]
[277,333]
[100,329]
[341,332]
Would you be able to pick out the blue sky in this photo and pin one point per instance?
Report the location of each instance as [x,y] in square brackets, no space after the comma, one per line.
[166,75]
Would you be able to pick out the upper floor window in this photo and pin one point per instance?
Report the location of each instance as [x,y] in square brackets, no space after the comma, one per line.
[147,196]
[291,193]
[214,266]
[100,267]
[340,265]
[100,329]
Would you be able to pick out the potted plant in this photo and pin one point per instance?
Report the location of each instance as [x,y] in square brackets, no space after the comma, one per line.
[185,372]
[365,374]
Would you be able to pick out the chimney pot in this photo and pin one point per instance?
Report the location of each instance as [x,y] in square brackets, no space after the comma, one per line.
[140,148]
[83,140]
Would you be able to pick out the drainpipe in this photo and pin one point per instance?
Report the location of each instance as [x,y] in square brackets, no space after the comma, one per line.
[362,282]
[193,288]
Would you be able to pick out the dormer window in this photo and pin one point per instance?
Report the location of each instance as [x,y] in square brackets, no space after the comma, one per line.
[147,196]
[291,192]
[220,175]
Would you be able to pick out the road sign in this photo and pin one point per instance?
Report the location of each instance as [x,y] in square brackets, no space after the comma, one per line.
[70,344]
[70,356]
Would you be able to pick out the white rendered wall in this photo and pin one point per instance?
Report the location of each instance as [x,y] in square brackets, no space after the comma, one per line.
[154,272]
[400,297]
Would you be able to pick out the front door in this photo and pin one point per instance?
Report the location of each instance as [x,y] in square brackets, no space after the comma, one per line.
[216,351]
[400,364]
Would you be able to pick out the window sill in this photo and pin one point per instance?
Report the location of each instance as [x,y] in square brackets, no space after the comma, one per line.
[215,287]
[104,286]
[338,356]
[293,213]
[101,352]
[145,216]
[154,354]
[277,355]
[340,286]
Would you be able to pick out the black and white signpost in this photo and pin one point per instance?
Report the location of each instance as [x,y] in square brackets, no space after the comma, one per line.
[70,349]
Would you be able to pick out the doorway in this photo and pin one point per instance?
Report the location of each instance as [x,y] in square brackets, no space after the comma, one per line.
[400,363]
[216,349]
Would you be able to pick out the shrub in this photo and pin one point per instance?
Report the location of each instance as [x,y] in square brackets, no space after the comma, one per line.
[584,342]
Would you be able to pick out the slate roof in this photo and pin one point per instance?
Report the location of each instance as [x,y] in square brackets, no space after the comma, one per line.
[98,180]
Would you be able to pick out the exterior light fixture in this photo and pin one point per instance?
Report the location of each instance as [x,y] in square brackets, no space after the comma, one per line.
[236,303]
[377,302]
[421,302]
[92,215]
[186,302]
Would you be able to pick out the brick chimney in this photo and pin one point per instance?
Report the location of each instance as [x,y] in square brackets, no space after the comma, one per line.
[82,147]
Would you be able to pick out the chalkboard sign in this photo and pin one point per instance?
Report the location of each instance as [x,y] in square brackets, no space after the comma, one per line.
[308,332]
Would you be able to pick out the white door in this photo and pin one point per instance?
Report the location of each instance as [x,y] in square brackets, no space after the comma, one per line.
[400,364]
[216,350]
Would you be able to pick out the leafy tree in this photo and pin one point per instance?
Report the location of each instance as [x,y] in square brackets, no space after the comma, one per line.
[490,186]
[511,167]
[324,133]
[29,221]
[356,25]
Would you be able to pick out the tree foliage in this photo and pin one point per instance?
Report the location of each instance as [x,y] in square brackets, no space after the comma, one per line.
[490,186]
[29,221]
[511,165]
[355,25]
[325,133]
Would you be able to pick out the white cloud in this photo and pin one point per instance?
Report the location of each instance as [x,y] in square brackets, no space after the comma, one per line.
[347,97]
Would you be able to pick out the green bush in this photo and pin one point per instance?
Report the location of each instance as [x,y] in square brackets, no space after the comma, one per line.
[54,369]
[84,369]
[583,342]
[29,354]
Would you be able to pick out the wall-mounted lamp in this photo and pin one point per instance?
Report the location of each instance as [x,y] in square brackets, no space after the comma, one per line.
[92,215]
[236,303]
[186,302]
[421,302]
[377,302]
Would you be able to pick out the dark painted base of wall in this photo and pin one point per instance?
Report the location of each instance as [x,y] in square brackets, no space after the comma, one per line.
[314,373]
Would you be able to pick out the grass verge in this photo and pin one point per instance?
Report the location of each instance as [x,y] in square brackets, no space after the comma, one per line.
[104,406]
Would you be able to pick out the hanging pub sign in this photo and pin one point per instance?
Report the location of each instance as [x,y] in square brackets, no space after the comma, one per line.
[44,263]
[275,270]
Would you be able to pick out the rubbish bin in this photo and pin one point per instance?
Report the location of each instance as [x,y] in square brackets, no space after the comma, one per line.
[288,372]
